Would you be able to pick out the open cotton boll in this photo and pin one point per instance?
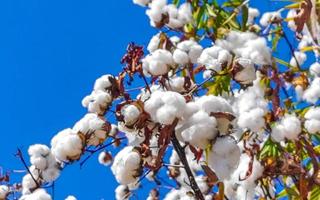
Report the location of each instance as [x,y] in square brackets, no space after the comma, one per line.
[299,59]
[312,93]
[224,157]
[70,197]
[38,194]
[211,103]
[66,145]
[38,155]
[135,136]
[198,130]
[180,57]
[269,17]
[185,13]
[104,83]
[155,12]
[141,2]
[158,63]
[247,45]
[214,57]
[130,114]
[252,14]
[187,51]
[97,102]
[164,107]
[312,123]
[127,165]
[94,127]
[105,158]
[4,191]
[244,71]
[122,192]
[179,84]
[154,43]
[289,127]
[315,69]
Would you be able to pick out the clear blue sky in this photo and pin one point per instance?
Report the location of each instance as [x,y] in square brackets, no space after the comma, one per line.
[50,54]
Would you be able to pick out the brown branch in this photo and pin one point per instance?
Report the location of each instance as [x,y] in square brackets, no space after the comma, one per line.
[182,155]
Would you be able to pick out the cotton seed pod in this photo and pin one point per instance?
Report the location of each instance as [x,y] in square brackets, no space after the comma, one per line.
[243,71]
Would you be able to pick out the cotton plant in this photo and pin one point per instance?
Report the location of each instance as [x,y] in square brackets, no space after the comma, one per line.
[213,107]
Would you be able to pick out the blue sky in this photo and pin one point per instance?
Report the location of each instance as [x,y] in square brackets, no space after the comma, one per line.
[50,54]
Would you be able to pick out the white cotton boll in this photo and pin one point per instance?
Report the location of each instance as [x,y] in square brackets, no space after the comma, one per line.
[70,197]
[158,63]
[38,154]
[105,158]
[214,57]
[312,93]
[315,69]
[299,59]
[198,130]
[207,74]
[252,119]
[135,136]
[177,84]
[290,16]
[312,123]
[164,107]
[38,194]
[172,195]
[246,73]
[268,17]
[195,52]
[154,43]
[155,11]
[224,157]
[104,83]
[66,145]
[4,191]
[97,101]
[126,166]
[252,14]
[202,183]
[130,114]
[122,192]
[211,103]
[141,2]
[299,92]
[289,127]
[185,13]
[180,57]
[51,174]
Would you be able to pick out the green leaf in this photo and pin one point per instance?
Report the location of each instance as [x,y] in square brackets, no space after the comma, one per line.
[315,193]
[210,11]
[176,2]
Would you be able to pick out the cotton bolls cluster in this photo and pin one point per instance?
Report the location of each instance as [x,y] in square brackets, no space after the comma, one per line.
[289,127]
[4,191]
[244,71]
[67,145]
[164,107]
[38,194]
[251,107]
[187,51]
[42,159]
[94,128]
[157,63]
[127,165]
[224,157]
[215,58]
[270,17]
[247,45]
[312,123]
[101,97]
[161,13]
[312,93]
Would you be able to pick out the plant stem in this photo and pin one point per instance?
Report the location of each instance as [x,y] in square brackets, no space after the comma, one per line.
[182,155]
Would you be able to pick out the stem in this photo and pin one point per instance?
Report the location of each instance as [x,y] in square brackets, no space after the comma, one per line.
[182,155]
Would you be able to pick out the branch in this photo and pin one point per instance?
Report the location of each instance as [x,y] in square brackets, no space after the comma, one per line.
[182,155]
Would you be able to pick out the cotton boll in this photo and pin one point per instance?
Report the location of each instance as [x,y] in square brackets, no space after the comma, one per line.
[66,145]
[289,127]
[315,69]
[269,17]
[180,57]
[214,57]
[252,119]
[312,123]
[179,84]
[154,43]
[155,11]
[38,155]
[122,192]
[244,72]
[105,158]
[198,130]
[4,191]
[126,166]
[158,63]
[104,83]
[185,13]
[164,107]
[292,13]
[97,102]
[135,136]
[299,59]
[38,194]
[130,114]
[252,14]
[312,93]
[211,103]
[140,3]
[224,157]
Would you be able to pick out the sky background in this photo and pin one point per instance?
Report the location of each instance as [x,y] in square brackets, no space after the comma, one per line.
[51,52]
